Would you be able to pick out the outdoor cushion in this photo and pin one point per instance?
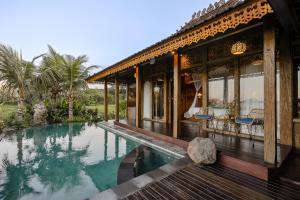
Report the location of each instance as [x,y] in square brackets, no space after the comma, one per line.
[244,120]
[203,116]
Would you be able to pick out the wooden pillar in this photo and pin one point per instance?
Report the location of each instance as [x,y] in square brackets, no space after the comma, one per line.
[166,105]
[270,126]
[105,101]
[237,86]
[286,90]
[117,99]
[127,98]
[177,95]
[138,107]
[204,80]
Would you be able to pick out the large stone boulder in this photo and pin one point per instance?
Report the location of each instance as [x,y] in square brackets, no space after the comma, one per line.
[202,150]
[40,114]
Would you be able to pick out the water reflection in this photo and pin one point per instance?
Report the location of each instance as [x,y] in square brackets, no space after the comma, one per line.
[70,161]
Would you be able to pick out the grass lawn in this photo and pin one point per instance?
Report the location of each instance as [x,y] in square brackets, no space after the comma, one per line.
[111,108]
[6,110]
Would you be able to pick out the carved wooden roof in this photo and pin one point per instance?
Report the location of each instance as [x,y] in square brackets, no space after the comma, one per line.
[218,19]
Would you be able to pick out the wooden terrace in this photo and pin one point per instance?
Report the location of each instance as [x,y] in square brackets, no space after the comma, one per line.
[215,182]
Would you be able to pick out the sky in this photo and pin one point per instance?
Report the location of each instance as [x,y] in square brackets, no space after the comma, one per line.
[104,30]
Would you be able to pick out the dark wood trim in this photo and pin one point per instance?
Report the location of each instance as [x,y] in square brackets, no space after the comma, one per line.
[286,14]
[270,123]
[177,95]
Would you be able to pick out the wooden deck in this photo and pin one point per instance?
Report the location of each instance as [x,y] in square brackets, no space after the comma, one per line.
[236,151]
[215,182]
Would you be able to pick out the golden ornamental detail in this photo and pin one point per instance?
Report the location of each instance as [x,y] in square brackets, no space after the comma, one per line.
[253,10]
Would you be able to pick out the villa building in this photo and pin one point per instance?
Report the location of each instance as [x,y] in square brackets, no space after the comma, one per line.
[232,73]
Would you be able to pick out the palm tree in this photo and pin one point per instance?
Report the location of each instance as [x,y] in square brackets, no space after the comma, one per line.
[22,76]
[15,73]
[51,63]
[74,74]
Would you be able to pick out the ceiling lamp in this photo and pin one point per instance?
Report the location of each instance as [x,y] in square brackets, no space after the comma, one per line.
[258,61]
[156,90]
[238,48]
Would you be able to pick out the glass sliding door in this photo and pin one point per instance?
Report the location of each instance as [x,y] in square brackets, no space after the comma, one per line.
[158,97]
[251,86]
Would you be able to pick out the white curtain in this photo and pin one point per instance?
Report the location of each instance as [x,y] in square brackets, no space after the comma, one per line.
[193,109]
[147,104]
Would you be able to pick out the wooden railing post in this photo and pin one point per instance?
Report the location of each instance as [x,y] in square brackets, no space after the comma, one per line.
[127,98]
[166,106]
[177,95]
[270,132]
[116,99]
[138,91]
[105,101]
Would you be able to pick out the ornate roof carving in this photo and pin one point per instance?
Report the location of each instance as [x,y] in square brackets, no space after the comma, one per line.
[212,11]
[217,23]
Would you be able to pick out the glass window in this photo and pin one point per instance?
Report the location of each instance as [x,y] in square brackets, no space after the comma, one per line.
[251,85]
[220,87]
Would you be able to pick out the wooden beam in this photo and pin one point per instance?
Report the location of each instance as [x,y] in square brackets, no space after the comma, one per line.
[177,95]
[286,14]
[166,105]
[170,102]
[105,101]
[204,77]
[204,82]
[286,91]
[127,98]
[270,125]
[138,107]
[117,85]
[237,86]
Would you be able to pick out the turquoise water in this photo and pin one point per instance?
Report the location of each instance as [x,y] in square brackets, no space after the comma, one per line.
[69,161]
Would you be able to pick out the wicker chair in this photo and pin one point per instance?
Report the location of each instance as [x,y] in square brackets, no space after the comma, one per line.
[254,119]
[206,115]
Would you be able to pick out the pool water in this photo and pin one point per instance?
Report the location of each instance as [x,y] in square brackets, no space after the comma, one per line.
[68,161]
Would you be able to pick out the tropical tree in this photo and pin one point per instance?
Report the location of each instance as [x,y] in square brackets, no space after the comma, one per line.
[15,73]
[20,76]
[51,63]
[74,75]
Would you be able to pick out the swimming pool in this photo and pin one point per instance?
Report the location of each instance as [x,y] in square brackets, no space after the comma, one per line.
[68,161]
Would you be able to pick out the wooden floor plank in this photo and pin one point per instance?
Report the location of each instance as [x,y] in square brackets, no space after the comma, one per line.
[214,182]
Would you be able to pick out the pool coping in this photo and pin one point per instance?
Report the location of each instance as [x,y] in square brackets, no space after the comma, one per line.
[168,148]
[135,184]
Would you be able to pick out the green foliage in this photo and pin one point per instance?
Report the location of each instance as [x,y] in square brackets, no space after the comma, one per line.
[58,112]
